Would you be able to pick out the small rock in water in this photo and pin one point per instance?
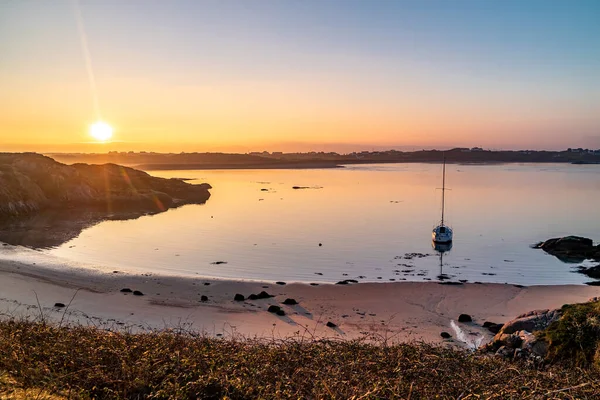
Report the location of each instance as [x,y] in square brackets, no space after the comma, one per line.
[126,290]
[206,283]
[290,302]
[331,324]
[464,318]
[280,283]
[314,284]
[239,297]
[320,244]
[219,262]
[346,281]
[59,305]
[203,298]
[445,335]
[137,293]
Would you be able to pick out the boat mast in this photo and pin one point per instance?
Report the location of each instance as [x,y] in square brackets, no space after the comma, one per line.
[443,188]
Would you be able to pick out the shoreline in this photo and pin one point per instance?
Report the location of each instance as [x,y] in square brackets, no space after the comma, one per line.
[398,311]
[149,167]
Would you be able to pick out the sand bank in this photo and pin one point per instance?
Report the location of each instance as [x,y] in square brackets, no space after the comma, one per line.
[400,311]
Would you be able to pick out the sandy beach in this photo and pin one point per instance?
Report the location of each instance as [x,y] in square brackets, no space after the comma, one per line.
[398,311]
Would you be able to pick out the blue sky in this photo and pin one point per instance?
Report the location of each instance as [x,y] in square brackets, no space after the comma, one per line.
[496,73]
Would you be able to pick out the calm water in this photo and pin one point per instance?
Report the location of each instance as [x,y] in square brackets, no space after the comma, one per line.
[366,217]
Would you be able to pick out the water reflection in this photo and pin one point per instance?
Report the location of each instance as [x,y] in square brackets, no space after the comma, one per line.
[442,248]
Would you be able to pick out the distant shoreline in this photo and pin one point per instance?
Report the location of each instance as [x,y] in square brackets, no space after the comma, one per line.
[326,165]
[278,160]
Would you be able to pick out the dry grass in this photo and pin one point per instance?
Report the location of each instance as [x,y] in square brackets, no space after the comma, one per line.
[81,362]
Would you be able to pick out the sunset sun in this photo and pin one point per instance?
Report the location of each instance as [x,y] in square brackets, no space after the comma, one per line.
[101,131]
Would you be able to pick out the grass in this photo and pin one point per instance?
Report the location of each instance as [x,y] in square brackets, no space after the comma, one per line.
[575,338]
[38,360]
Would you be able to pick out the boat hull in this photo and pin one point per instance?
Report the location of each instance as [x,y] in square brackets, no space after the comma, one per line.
[442,234]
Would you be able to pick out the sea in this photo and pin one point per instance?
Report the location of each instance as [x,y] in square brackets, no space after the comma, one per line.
[368,223]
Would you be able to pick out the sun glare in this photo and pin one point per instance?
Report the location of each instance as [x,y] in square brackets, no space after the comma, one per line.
[101,131]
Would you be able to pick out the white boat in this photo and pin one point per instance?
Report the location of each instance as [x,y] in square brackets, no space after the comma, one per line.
[442,234]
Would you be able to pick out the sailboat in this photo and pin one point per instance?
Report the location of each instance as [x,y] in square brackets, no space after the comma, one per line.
[442,234]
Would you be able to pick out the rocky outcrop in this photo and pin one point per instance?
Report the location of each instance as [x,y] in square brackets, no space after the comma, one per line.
[592,272]
[571,248]
[519,339]
[44,203]
[30,183]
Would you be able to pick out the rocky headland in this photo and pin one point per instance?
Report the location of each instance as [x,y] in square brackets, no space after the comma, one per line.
[42,200]
[572,249]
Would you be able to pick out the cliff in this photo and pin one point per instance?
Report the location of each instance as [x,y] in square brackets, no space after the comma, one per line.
[31,183]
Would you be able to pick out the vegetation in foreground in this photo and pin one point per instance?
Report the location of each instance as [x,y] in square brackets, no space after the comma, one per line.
[575,338]
[53,362]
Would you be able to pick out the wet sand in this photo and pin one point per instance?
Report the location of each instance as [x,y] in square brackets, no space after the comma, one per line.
[398,311]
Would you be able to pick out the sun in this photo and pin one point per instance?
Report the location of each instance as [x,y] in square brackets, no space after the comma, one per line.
[101,131]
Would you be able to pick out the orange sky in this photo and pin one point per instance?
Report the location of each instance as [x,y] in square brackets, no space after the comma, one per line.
[249,82]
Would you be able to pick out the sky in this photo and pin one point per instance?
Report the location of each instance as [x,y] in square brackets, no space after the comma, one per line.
[333,75]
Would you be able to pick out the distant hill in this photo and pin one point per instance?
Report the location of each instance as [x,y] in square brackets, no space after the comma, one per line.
[157,161]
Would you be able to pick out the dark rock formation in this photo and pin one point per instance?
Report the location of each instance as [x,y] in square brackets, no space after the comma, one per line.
[280,283]
[464,318]
[239,297]
[59,305]
[126,290]
[203,298]
[492,327]
[45,203]
[445,335]
[347,281]
[592,272]
[274,309]
[290,302]
[137,293]
[331,324]
[260,296]
[571,248]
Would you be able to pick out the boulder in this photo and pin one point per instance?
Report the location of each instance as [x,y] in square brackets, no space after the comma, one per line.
[531,322]
[492,327]
[59,305]
[203,298]
[445,335]
[464,318]
[239,297]
[274,309]
[571,248]
[280,283]
[137,293]
[290,302]
[126,290]
[262,295]
[331,324]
